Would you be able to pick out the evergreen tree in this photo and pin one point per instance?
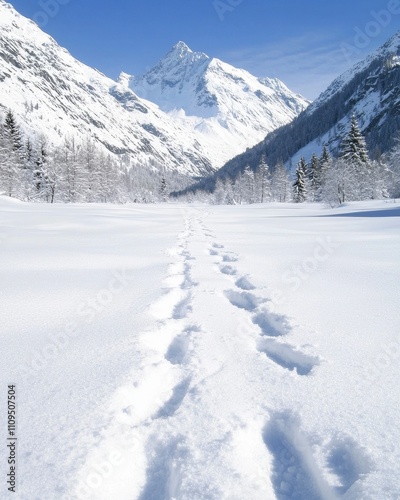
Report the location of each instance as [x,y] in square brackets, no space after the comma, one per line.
[163,189]
[12,157]
[299,186]
[359,169]
[314,176]
[325,164]
[40,171]
[12,130]
[28,171]
[353,147]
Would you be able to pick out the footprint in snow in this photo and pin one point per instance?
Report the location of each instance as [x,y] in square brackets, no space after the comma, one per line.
[183,308]
[245,284]
[348,460]
[229,258]
[179,346]
[295,474]
[229,270]
[243,300]
[287,357]
[271,324]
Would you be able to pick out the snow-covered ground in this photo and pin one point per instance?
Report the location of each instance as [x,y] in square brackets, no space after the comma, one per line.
[195,352]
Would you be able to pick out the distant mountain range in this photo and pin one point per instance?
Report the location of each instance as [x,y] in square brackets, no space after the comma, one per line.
[189,114]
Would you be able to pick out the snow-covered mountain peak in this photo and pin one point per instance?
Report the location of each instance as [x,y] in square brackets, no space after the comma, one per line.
[181,49]
[227,107]
[178,63]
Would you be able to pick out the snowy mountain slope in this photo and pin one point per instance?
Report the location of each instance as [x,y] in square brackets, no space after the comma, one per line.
[52,93]
[228,108]
[389,52]
[370,90]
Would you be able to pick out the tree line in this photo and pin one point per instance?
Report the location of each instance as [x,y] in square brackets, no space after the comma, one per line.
[76,171]
[81,172]
[349,177]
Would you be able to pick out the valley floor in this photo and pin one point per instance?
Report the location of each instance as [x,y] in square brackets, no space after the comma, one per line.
[195,352]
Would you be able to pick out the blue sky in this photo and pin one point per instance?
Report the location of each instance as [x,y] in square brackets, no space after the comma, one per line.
[306,44]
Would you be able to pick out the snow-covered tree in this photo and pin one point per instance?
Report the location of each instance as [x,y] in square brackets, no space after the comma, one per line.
[353,147]
[354,153]
[74,176]
[299,186]
[40,170]
[393,171]
[280,184]
[91,182]
[248,185]
[314,178]
[219,195]
[163,189]
[12,157]
[262,179]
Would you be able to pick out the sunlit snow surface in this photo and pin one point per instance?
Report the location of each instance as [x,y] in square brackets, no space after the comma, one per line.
[197,352]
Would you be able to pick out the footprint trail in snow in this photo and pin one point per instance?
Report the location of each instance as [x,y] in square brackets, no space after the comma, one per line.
[193,420]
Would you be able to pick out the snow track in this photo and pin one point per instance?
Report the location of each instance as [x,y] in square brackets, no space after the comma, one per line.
[195,411]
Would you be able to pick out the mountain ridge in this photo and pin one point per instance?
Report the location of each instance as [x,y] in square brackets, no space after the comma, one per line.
[369,90]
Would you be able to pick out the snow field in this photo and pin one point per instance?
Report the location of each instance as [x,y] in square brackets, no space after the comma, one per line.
[210,376]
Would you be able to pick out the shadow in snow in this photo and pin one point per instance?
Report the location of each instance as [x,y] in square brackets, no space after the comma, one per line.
[392,212]
[229,270]
[243,300]
[173,404]
[271,324]
[164,471]
[245,284]
[287,357]
[295,474]
[348,461]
